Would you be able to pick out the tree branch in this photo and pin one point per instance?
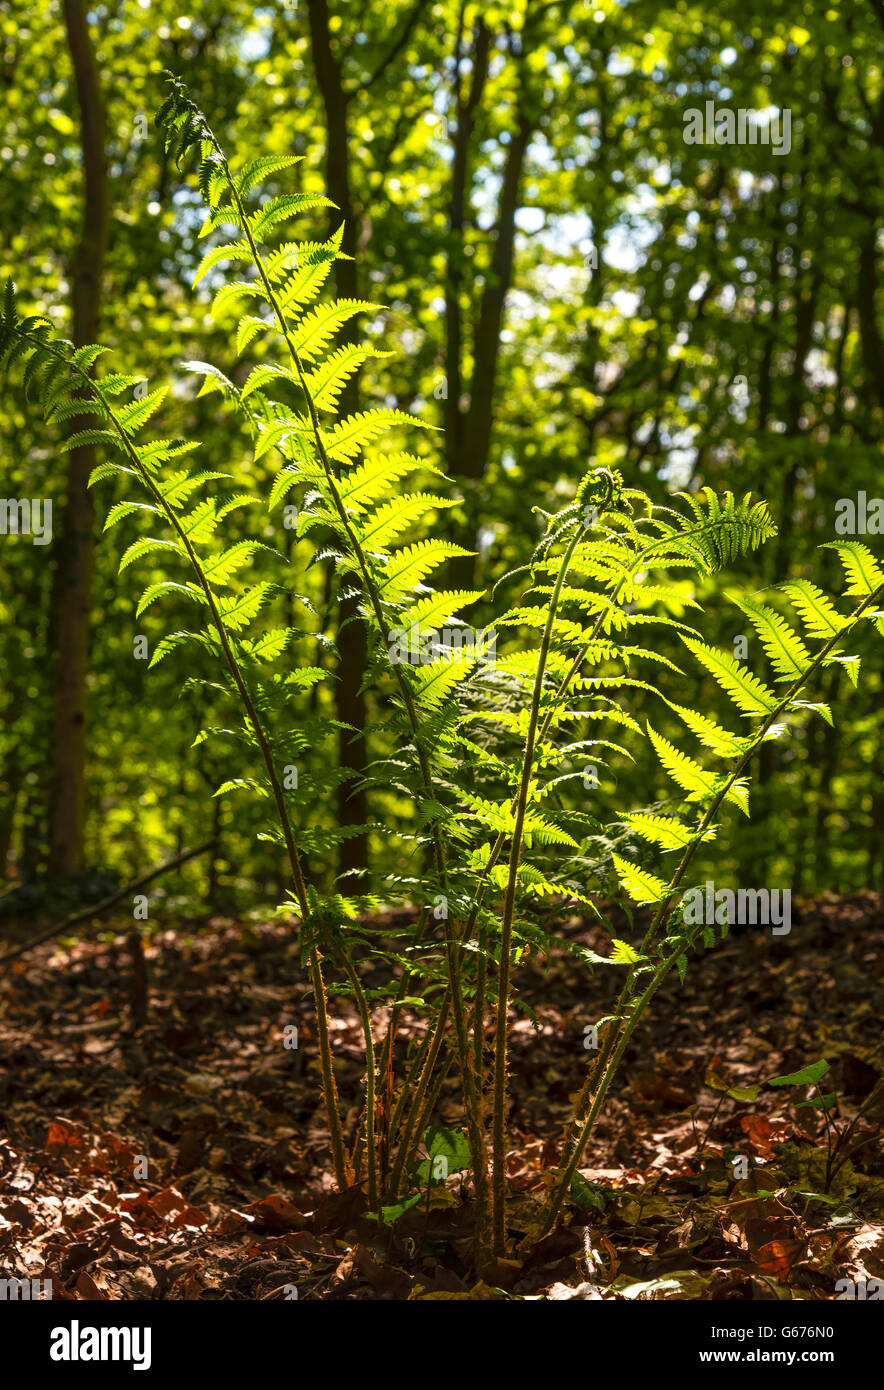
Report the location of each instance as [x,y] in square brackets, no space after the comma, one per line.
[396,49]
[106,903]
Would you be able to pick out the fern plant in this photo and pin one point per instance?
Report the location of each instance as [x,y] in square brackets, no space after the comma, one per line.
[487,754]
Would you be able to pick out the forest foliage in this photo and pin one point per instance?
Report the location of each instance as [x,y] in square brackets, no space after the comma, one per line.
[570,285]
[481,755]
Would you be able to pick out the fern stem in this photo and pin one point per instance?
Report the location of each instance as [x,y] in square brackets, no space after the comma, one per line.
[392,1119]
[412,1132]
[365,1016]
[478,1016]
[413,1068]
[437,1082]
[343,1171]
[506,927]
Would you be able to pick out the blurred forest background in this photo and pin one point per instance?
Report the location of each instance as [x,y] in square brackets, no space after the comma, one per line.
[565,282]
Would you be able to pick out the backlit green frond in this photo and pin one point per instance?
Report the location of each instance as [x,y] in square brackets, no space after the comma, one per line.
[641,886]
[820,616]
[726,528]
[691,777]
[788,654]
[750,695]
[310,560]
[861,569]
[668,832]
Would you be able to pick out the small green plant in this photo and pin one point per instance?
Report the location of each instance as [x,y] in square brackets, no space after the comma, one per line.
[483,751]
[838,1134]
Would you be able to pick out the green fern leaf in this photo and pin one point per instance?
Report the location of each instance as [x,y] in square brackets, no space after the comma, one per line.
[860,567]
[121,509]
[640,886]
[721,741]
[374,478]
[690,776]
[351,435]
[699,784]
[247,329]
[326,383]
[410,566]
[220,569]
[748,693]
[168,586]
[238,611]
[282,209]
[384,525]
[232,291]
[788,654]
[105,437]
[819,615]
[668,832]
[229,251]
[143,546]
[257,170]
[316,328]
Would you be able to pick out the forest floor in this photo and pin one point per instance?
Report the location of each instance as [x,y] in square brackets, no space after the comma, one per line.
[688,1194]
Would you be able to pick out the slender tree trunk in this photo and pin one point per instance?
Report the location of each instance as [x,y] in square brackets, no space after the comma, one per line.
[804,323]
[487,340]
[867,308]
[351,635]
[469,445]
[876,829]
[7,821]
[73,576]
[464,124]
[31,828]
[769,757]
[13,772]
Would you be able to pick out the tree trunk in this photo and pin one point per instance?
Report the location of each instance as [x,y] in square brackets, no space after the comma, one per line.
[7,822]
[469,431]
[455,260]
[351,634]
[73,575]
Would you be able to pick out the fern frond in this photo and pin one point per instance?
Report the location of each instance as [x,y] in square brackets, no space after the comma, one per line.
[667,832]
[820,616]
[315,330]
[861,569]
[257,170]
[637,883]
[347,438]
[726,527]
[691,777]
[720,741]
[750,695]
[788,654]
[409,567]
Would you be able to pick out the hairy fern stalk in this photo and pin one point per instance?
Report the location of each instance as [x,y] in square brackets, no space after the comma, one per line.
[487,754]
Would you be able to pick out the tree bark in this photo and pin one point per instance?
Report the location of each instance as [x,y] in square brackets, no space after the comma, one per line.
[350,706]
[73,575]
[8,805]
[454,418]
[470,430]
[870,337]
